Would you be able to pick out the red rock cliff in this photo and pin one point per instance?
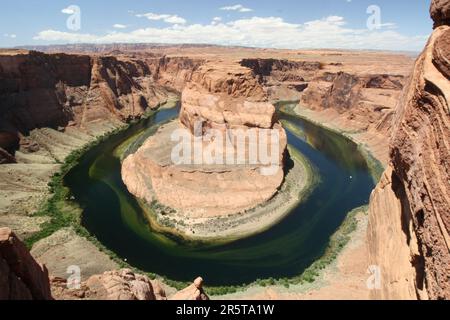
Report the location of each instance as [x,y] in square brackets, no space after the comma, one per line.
[40,90]
[410,209]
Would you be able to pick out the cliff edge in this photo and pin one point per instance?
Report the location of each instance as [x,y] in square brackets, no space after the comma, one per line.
[409,221]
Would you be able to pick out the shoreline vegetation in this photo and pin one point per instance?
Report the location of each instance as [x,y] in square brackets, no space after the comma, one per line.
[64,212]
[376,168]
[300,181]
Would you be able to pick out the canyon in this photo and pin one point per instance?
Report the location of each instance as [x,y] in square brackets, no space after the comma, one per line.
[53,103]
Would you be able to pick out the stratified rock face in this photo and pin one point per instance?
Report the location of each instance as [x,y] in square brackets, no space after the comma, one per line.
[21,277]
[225,101]
[226,96]
[420,155]
[392,242]
[173,72]
[40,90]
[343,91]
[440,12]
[283,79]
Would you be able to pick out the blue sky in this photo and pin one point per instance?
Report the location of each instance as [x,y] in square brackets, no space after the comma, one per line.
[403,24]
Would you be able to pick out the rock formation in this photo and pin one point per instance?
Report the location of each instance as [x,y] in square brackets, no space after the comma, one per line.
[112,285]
[409,224]
[52,104]
[440,12]
[223,100]
[193,292]
[283,79]
[369,99]
[21,277]
[124,285]
[58,91]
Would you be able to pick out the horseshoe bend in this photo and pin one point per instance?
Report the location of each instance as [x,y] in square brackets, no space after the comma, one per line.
[135,171]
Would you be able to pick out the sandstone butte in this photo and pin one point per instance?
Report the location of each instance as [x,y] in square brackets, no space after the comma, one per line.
[53,103]
[226,99]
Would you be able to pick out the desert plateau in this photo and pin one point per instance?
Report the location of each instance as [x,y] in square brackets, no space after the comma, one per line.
[133,170]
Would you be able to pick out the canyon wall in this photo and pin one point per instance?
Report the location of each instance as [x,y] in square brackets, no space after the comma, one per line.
[409,225]
[58,91]
[50,102]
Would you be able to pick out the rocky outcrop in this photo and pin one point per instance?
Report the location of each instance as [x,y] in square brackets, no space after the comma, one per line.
[193,292]
[21,277]
[112,285]
[219,105]
[199,190]
[419,191]
[124,285]
[226,96]
[440,12]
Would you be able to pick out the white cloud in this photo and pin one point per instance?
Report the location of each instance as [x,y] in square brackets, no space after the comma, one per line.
[216,20]
[389,25]
[68,10]
[237,7]
[169,18]
[119,26]
[269,32]
[12,36]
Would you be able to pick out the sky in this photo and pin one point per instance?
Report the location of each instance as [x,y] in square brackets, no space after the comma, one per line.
[287,24]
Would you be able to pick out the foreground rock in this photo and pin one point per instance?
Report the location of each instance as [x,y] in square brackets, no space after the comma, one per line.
[123,285]
[193,292]
[410,209]
[21,277]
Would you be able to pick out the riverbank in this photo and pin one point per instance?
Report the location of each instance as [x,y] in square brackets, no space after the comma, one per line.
[373,146]
[35,202]
[341,274]
[307,276]
[62,256]
[343,277]
[300,180]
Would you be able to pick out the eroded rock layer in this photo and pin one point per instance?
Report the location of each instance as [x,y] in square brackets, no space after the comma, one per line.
[59,91]
[221,102]
[415,192]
